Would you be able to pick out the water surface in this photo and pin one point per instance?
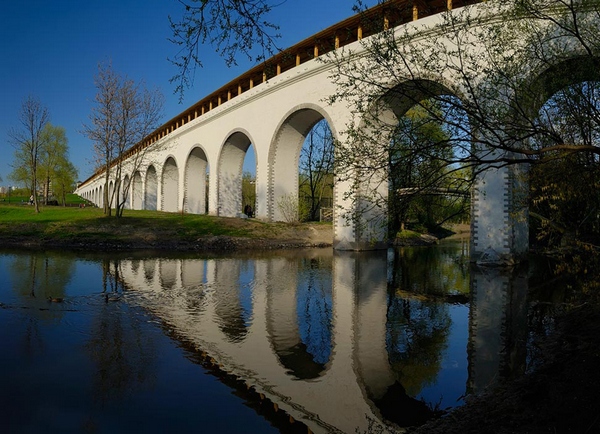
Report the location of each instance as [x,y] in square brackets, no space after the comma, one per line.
[267,342]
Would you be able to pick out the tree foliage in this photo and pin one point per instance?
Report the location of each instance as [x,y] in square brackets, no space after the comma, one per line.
[53,155]
[28,141]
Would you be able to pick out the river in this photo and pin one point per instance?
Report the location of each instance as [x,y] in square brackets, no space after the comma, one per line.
[288,341]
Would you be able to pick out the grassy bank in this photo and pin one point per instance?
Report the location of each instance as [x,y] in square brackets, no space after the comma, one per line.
[74,227]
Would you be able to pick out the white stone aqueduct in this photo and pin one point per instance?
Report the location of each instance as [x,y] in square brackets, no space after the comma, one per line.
[211,138]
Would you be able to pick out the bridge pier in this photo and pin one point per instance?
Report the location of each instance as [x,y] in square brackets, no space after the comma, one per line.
[499,216]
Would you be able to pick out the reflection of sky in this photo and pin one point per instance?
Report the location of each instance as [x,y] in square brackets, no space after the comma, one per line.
[103,367]
[451,381]
[314,310]
[246,288]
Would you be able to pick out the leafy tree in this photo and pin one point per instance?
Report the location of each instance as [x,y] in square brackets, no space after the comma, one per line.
[64,180]
[421,190]
[248,190]
[52,154]
[28,141]
[125,112]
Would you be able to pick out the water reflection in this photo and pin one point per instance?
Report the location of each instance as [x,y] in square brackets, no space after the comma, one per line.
[338,340]
[299,314]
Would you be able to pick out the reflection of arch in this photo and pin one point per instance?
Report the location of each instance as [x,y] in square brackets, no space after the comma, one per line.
[151,192]
[233,317]
[195,182]
[149,269]
[167,273]
[229,172]
[299,318]
[137,192]
[375,337]
[284,156]
[170,186]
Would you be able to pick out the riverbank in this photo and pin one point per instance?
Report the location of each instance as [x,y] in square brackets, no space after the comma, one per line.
[88,229]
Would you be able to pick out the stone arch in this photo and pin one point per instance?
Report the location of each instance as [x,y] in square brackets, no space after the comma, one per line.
[284,154]
[195,194]
[170,185]
[229,173]
[151,191]
[553,78]
[137,191]
[364,214]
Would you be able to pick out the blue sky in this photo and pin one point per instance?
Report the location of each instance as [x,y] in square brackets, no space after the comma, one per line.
[51,50]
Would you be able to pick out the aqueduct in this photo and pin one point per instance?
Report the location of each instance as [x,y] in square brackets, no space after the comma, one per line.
[193,163]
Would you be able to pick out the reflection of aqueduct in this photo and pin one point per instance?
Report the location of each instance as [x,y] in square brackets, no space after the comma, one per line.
[311,330]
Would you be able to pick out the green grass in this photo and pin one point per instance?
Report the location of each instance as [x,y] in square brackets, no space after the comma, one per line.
[64,224]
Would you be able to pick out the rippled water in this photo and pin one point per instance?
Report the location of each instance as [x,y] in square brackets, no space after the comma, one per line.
[281,341]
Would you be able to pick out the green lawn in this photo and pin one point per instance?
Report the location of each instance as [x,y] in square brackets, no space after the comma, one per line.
[75,225]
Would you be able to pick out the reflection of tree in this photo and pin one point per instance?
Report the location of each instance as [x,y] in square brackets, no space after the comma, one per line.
[314,309]
[432,272]
[416,337]
[417,326]
[123,358]
[47,276]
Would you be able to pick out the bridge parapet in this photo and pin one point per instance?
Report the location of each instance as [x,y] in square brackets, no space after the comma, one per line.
[386,15]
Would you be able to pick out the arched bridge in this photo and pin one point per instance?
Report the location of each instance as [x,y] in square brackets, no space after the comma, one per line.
[193,163]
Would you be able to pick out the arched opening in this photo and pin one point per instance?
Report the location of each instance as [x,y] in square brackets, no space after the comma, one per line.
[293,136]
[563,202]
[170,186]
[429,187]
[111,199]
[126,193]
[417,138]
[230,166]
[137,191]
[196,175]
[150,195]
[100,197]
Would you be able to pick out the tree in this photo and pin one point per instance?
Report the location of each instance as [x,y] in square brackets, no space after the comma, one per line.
[64,179]
[53,153]
[248,191]
[125,113]
[488,70]
[28,141]
[232,27]
[316,167]
[420,189]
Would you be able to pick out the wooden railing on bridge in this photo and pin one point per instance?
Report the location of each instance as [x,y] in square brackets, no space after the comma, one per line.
[386,15]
